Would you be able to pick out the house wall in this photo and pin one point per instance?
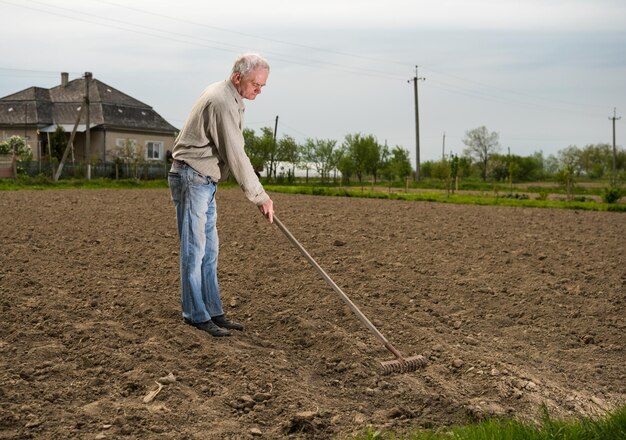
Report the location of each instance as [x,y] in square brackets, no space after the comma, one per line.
[103,143]
[139,139]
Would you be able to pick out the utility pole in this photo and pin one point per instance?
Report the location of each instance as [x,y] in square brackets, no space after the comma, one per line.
[614,174]
[274,165]
[509,171]
[275,129]
[443,148]
[417,126]
[87,131]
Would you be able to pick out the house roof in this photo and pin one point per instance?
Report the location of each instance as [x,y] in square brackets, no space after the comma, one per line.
[59,105]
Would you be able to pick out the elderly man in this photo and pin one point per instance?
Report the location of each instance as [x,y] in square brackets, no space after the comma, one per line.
[209,147]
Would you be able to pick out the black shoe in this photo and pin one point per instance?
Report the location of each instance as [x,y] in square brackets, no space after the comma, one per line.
[210,328]
[224,322]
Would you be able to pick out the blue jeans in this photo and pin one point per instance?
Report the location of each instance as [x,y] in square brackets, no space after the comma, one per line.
[196,214]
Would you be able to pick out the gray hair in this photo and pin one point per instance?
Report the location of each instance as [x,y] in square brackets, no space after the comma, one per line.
[249,62]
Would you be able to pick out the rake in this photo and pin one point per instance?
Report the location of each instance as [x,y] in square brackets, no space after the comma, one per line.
[398,365]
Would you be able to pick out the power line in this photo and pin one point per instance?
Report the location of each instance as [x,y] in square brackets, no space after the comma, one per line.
[513,92]
[502,100]
[10,69]
[273,40]
[213,44]
[194,40]
[29,73]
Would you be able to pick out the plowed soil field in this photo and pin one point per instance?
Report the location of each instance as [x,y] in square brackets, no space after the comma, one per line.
[513,308]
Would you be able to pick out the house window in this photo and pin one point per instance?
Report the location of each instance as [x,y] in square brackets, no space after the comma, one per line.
[154,150]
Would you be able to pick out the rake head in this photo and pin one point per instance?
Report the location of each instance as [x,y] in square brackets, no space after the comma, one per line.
[403,365]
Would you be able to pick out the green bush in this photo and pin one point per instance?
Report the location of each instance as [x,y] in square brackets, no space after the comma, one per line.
[611,195]
[581,199]
[517,196]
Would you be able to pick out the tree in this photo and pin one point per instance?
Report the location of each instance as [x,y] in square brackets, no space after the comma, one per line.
[569,168]
[516,168]
[465,166]
[481,145]
[132,155]
[499,168]
[399,163]
[16,145]
[253,151]
[363,152]
[289,151]
[337,156]
[533,167]
[441,170]
[322,156]
[377,157]
[620,165]
[426,169]
[596,161]
[551,165]
[58,142]
[345,164]
[454,173]
[566,178]
[307,157]
[569,159]
[261,149]
[268,147]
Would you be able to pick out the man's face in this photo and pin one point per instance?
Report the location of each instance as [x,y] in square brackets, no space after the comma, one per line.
[250,85]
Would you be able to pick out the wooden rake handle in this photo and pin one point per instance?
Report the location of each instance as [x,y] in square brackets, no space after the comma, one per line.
[337,289]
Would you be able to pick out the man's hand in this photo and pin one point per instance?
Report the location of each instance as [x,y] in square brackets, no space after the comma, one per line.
[267,209]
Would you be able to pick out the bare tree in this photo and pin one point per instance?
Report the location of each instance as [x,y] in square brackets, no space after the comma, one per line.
[481,144]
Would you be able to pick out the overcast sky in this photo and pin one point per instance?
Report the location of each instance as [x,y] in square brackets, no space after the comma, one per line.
[543,74]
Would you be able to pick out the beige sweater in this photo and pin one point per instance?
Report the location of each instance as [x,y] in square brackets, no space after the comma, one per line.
[212,143]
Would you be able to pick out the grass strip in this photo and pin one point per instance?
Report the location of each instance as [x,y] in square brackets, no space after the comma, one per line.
[43,183]
[442,197]
[609,427]
[485,199]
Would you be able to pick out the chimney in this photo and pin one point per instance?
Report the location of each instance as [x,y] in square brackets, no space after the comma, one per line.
[64,78]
